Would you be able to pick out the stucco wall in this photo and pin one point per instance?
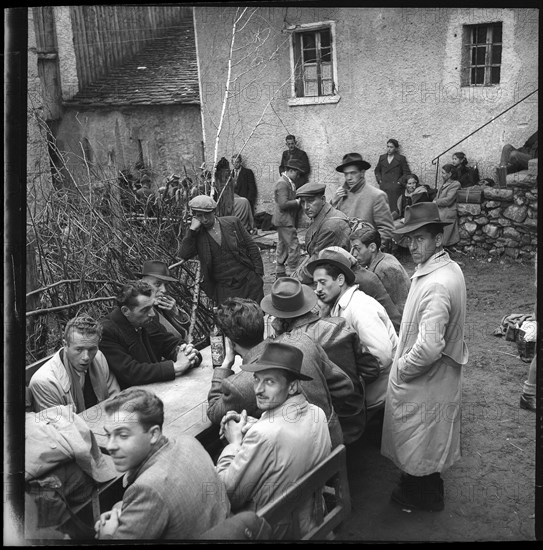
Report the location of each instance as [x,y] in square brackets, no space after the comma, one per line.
[171,138]
[398,77]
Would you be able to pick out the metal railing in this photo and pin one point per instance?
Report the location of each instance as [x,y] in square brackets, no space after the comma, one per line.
[436,159]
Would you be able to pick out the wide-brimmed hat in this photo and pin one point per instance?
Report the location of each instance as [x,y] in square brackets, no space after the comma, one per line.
[295,164]
[277,355]
[156,269]
[203,203]
[288,298]
[344,253]
[353,158]
[311,189]
[330,256]
[418,215]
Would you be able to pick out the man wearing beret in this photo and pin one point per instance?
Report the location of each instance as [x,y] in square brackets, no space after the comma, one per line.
[357,199]
[230,260]
[329,227]
[266,457]
[284,219]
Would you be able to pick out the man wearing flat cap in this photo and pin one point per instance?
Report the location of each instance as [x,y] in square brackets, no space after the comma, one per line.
[266,457]
[230,260]
[421,427]
[284,219]
[329,227]
[294,152]
[357,199]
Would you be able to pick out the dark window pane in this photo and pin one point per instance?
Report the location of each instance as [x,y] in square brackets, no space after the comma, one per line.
[480,59]
[474,56]
[325,39]
[495,75]
[497,32]
[326,54]
[480,34]
[480,75]
[308,41]
[496,57]
[310,56]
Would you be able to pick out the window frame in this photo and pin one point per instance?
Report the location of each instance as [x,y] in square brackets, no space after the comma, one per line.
[295,31]
[469,44]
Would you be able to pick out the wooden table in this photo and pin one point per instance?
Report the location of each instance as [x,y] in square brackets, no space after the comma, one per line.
[184,398]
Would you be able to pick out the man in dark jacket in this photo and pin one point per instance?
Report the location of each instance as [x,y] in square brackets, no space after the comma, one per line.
[244,181]
[139,351]
[293,152]
[230,260]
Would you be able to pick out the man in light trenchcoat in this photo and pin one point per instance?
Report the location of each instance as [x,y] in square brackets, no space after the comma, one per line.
[421,427]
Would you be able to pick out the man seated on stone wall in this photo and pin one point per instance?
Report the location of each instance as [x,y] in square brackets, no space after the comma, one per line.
[78,373]
[138,350]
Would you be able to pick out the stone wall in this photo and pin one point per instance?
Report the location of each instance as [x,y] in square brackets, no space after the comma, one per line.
[506,220]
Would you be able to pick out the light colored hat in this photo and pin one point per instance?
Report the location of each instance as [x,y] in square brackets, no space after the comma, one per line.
[328,256]
[344,253]
[203,203]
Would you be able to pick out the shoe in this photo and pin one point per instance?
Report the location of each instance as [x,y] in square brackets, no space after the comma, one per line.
[527,402]
[419,493]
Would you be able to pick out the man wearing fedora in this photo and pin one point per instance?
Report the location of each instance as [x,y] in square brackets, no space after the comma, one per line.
[357,199]
[284,218]
[168,313]
[242,322]
[293,152]
[335,286]
[292,307]
[230,259]
[329,227]
[264,458]
[421,427]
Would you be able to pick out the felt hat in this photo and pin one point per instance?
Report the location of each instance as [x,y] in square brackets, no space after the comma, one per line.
[157,269]
[419,215]
[288,298]
[295,164]
[353,158]
[277,355]
[327,256]
[344,253]
[311,189]
[203,203]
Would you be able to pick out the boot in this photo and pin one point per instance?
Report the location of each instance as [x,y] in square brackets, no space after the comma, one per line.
[420,492]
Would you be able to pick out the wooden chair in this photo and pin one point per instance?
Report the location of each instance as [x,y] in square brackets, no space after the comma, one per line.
[328,478]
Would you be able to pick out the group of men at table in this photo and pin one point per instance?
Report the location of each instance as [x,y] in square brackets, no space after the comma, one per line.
[334,356]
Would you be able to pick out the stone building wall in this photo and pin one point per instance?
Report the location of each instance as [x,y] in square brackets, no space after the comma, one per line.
[398,76]
[506,220]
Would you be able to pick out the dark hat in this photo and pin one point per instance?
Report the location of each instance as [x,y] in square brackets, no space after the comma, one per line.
[418,215]
[311,189]
[289,298]
[353,158]
[295,164]
[330,256]
[156,269]
[277,355]
[203,203]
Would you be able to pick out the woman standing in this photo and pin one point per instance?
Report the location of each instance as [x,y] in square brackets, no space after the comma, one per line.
[388,171]
[446,202]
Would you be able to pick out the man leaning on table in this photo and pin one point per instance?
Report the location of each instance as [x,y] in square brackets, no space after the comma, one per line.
[138,350]
[172,490]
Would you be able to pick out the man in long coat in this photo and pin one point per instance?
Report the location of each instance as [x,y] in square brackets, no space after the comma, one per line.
[421,427]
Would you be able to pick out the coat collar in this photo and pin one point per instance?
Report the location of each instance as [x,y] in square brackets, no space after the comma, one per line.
[151,459]
[435,262]
[343,302]
[294,404]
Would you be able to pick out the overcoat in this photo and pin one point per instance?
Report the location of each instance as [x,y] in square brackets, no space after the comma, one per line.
[421,426]
[388,175]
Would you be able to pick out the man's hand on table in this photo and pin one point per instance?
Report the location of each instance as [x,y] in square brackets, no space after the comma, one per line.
[187,357]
